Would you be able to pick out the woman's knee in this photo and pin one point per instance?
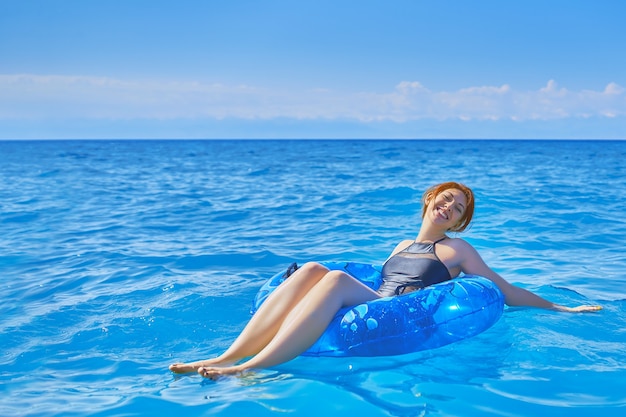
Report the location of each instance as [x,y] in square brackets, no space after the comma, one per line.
[347,289]
[310,271]
[335,278]
[314,268]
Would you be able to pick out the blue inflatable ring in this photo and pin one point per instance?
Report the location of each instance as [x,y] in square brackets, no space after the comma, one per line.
[429,318]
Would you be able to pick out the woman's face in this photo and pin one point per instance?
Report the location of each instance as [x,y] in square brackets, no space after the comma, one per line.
[447,207]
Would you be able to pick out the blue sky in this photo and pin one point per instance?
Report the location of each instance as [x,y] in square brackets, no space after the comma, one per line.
[312,69]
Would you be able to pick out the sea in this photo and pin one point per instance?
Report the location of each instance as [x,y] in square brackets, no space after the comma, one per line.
[120,257]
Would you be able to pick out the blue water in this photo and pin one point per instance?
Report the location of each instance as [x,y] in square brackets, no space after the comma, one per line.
[118,258]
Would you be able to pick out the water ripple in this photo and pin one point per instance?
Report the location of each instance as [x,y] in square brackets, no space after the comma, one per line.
[120,257]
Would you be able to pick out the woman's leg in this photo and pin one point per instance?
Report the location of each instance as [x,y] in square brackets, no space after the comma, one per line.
[305,323]
[266,321]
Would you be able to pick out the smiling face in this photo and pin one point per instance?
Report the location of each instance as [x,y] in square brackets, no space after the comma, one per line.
[450,205]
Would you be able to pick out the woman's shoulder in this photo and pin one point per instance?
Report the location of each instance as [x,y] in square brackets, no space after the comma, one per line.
[401,246]
[458,244]
[457,252]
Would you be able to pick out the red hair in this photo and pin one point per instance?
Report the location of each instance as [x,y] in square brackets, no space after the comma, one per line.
[435,190]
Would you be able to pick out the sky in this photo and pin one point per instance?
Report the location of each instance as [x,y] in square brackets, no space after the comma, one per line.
[533,69]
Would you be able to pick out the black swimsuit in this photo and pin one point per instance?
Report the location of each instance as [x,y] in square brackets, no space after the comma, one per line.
[417,266]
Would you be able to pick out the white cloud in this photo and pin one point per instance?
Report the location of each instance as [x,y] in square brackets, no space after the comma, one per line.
[27,96]
[613,88]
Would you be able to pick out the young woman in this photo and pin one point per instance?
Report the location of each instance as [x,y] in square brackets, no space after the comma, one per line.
[295,315]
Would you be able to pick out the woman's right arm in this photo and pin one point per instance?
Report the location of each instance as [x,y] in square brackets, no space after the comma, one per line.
[472,263]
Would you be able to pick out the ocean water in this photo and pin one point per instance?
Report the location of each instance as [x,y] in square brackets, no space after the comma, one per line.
[118,258]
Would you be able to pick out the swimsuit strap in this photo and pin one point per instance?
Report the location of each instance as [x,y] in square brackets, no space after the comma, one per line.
[434,243]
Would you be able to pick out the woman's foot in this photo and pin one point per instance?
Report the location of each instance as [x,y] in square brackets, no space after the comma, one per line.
[214,373]
[185,368]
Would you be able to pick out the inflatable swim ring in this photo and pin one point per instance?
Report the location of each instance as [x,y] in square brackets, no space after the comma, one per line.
[429,318]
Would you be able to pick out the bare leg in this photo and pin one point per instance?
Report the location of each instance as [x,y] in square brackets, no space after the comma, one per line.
[305,323]
[266,321]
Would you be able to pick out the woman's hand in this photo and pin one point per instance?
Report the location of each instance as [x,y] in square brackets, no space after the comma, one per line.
[579,309]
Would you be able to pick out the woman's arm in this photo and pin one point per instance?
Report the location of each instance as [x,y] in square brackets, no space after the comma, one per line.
[472,263]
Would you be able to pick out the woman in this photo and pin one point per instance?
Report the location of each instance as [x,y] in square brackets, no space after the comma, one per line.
[295,315]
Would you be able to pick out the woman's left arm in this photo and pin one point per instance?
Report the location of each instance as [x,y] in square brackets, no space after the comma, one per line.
[473,264]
